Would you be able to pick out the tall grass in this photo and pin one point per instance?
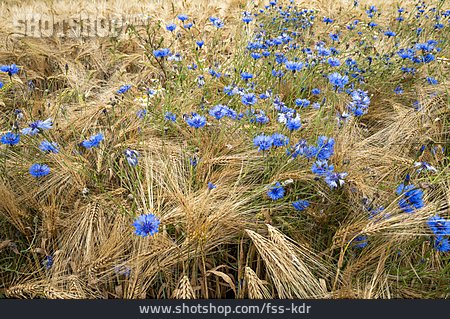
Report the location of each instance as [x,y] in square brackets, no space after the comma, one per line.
[70,234]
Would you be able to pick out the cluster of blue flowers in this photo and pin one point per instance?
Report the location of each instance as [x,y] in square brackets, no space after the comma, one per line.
[360,102]
[39,170]
[219,111]
[320,153]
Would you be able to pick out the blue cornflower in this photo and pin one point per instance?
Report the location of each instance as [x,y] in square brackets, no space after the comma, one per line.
[122,270]
[440,226]
[337,80]
[256,55]
[141,113]
[321,51]
[263,142]
[412,198]
[175,57]
[10,69]
[230,90]
[360,241]
[427,58]
[10,138]
[48,262]
[398,90]
[408,70]
[200,81]
[424,166]
[49,147]
[211,186]
[260,118]
[334,37]
[302,102]
[182,17]
[334,62]
[161,53]
[315,91]
[219,111]
[325,147]
[265,95]
[246,76]
[232,114]
[254,46]
[247,19]
[442,244]
[1,84]
[123,89]
[200,43]
[19,114]
[93,141]
[132,156]
[277,74]
[39,170]
[214,73]
[196,121]
[432,80]
[216,22]
[294,124]
[372,9]
[35,127]
[293,66]
[327,20]
[146,225]
[335,179]
[280,58]
[280,140]
[276,192]
[297,149]
[171,27]
[425,47]
[373,212]
[150,92]
[249,99]
[169,116]
[321,167]
[193,161]
[390,33]
[300,205]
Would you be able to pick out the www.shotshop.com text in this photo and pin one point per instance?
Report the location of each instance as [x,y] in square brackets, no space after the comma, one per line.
[266,308]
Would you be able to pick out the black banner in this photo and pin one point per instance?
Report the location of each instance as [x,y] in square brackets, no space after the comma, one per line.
[307,309]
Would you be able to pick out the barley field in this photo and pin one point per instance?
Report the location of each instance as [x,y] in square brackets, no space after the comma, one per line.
[226,149]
